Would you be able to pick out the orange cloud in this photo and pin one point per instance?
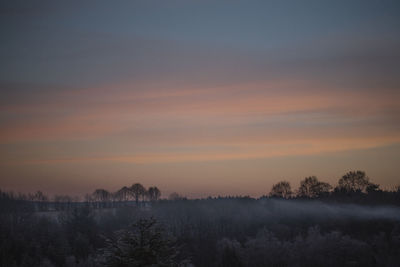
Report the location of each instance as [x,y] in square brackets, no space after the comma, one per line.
[195,124]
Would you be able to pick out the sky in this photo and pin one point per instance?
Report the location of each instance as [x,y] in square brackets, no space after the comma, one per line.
[198,97]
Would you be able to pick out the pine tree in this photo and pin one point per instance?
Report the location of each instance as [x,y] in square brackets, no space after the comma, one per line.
[143,244]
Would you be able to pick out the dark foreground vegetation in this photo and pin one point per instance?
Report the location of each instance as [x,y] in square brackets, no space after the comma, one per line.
[353,224]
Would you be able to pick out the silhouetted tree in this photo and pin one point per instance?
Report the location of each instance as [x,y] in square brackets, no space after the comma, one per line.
[371,188]
[39,196]
[311,187]
[175,196]
[101,196]
[143,244]
[123,194]
[223,231]
[354,181]
[281,189]
[62,202]
[137,191]
[41,200]
[397,189]
[145,195]
[154,193]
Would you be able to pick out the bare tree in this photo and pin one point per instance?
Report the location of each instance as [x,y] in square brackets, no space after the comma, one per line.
[41,200]
[154,193]
[145,195]
[123,194]
[176,196]
[311,187]
[62,202]
[101,196]
[397,189]
[39,196]
[355,181]
[137,190]
[281,189]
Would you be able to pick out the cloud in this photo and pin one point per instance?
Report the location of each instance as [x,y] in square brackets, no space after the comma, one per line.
[177,88]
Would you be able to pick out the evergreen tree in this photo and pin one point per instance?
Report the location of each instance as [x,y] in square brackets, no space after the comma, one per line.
[143,244]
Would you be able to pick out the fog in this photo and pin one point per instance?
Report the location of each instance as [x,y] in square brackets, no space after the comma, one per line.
[320,210]
[336,230]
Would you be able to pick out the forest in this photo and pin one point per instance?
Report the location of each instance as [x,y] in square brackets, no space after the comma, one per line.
[354,223]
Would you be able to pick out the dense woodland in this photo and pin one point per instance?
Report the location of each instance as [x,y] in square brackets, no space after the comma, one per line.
[353,223]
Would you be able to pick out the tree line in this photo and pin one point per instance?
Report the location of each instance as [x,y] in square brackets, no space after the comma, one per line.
[352,183]
[137,193]
[284,229]
[100,198]
[311,187]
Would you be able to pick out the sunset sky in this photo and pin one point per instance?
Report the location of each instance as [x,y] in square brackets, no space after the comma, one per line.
[198,97]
